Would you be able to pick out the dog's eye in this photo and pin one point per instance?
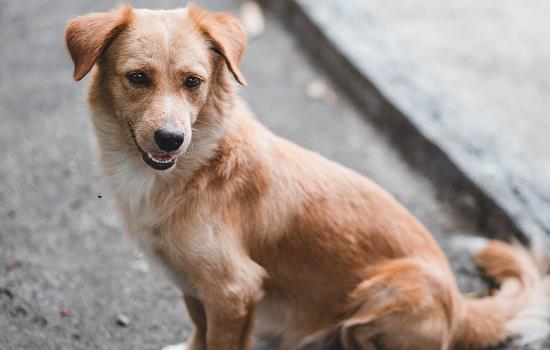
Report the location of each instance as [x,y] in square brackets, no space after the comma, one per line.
[138,78]
[191,82]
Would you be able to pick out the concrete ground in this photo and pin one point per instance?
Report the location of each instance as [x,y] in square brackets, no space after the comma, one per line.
[67,271]
[495,54]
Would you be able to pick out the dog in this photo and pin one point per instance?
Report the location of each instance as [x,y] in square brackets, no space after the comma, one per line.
[261,235]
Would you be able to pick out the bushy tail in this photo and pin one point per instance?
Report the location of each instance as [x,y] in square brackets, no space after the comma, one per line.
[521,305]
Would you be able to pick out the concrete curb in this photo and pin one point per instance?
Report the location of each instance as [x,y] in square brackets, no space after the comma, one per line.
[455,147]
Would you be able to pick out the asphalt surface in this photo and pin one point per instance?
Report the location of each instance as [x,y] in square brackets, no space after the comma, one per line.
[67,271]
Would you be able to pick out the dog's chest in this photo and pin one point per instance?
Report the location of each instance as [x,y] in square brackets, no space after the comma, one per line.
[159,250]
[143,227]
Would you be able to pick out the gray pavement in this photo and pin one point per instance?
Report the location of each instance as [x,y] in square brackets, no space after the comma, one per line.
[66,268]
[495,54]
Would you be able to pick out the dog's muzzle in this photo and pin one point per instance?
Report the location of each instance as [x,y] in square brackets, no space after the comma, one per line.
[157,161]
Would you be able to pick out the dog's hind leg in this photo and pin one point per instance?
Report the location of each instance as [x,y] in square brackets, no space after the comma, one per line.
[404,305]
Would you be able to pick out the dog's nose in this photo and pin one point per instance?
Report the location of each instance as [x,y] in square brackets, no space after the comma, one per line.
[169,139]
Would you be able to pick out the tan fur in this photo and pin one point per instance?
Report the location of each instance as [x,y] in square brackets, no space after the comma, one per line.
[226,33]
[87,37]
[256,231]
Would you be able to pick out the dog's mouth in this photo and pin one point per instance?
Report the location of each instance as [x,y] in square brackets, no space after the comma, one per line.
[157,161]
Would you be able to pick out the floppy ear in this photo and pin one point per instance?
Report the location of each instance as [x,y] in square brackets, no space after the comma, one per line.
[88,36]
[227,35]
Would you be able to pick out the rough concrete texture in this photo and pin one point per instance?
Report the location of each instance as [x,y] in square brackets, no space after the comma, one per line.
[67,271]
[495,53]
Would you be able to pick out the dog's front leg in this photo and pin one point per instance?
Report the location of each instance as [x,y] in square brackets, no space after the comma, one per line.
[229,295]
[229,328]
[198,316]
[226,284]
[223,311]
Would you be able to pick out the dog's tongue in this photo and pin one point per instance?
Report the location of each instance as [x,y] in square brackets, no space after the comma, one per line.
[162,156]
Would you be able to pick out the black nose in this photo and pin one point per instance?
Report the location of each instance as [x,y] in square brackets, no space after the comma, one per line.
[169,139]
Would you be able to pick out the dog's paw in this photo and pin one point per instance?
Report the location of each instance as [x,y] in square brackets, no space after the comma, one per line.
[182,346]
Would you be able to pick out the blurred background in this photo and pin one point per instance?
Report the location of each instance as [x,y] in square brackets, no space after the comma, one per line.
[494,53]
[70,279]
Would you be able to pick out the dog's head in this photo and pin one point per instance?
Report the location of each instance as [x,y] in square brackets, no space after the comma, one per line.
[156,71]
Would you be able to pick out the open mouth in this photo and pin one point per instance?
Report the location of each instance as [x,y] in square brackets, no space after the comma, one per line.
[157,161]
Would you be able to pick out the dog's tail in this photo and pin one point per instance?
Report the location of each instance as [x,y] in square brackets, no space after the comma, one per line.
[521,305]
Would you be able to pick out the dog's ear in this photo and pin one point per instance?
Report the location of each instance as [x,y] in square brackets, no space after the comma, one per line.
[88,36]
[226,34]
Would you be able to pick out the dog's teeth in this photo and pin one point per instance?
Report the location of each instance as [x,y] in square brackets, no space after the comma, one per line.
[160,161]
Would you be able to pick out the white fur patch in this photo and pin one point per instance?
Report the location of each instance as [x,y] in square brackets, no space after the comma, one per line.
[532,323]
[182,346]
[470,244]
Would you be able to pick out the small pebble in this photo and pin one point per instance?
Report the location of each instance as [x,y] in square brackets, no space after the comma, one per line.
[65,312]
[8,293]
[19,311]
[122,320]
[13,264]
[100,196]
[40,320]
[140,265]
[319,90]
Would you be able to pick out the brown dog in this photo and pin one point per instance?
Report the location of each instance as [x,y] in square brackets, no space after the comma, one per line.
[257,232]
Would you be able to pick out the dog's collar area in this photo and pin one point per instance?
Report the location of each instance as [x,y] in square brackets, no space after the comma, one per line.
[161,161]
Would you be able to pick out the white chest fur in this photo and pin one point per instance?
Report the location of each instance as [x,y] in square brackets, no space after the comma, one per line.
[133,182]
[140,227]
[132,185]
